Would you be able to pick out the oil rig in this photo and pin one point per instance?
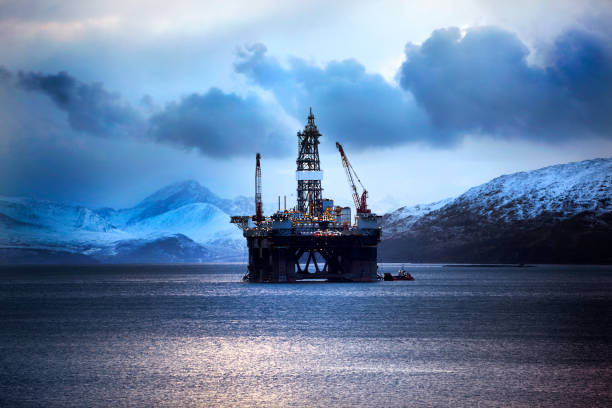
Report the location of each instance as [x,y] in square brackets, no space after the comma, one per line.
[314,239]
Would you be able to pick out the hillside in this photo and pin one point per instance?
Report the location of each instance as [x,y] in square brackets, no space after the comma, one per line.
[558,214]
[183,222]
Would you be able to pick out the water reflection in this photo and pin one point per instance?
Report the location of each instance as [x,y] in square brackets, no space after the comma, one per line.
[197,336]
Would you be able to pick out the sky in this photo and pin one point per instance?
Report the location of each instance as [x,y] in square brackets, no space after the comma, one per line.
[103,102]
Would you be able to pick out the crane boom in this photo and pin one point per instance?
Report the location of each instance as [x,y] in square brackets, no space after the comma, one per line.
[361,204]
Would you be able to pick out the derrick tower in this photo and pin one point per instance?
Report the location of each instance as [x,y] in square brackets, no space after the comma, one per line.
[258,203]
[316,240]
[309,174]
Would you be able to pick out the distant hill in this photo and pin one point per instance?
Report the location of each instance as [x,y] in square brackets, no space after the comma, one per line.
[557,214]
[183,222]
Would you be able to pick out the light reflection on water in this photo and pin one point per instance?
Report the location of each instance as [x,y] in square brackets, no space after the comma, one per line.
[197,336]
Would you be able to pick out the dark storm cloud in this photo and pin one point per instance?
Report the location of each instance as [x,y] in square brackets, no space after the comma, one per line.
[451,86]
[482,83]
[42,156]
[215,123]
[221,125]
[90,108]
[582,64]
[354,106]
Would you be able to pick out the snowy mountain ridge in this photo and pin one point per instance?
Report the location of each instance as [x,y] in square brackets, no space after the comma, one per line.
[555,214]
[567,205]
[562,190]
[403,218]
[183,214]
[565,189]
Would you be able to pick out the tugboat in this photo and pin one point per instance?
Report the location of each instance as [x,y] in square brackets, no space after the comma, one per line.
[402,274]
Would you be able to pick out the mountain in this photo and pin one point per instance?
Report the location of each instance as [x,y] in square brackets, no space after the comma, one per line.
[176,248]
[557,214]
[178,195]
[183,222]
[400,220]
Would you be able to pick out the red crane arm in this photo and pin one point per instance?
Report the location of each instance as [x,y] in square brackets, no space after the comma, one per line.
[361,204]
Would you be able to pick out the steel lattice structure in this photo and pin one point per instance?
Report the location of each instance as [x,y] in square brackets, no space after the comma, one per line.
[309,175]
[317,239]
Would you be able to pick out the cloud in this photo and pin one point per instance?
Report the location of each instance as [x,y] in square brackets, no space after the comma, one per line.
[221,125]
[41,155]
[90,108]
[452,85]
[358,108]
[215,123]
[482,83]
[582,64]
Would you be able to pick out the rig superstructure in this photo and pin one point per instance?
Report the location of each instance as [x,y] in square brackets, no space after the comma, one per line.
[315,239]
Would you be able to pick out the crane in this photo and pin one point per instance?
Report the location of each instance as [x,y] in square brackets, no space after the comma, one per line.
[258,206]
[361,204]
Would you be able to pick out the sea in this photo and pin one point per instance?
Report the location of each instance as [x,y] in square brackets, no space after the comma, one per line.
[197,336]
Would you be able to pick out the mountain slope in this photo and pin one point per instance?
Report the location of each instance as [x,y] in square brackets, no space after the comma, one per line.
[403,218]
[57,216]
[175,248]
[181,221]
[556,214]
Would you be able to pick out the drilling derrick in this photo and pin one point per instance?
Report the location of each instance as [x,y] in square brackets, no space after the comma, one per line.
[309,174]
[315,240]
[258,204]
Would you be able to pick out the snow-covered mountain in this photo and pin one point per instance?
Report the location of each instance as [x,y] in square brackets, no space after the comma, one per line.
[560,213]
[175,196]
[400,220]
[183,221]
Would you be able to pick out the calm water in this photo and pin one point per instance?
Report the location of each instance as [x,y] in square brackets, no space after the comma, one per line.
[197,336]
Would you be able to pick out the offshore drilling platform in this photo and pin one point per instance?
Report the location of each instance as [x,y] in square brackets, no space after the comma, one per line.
[314,239]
